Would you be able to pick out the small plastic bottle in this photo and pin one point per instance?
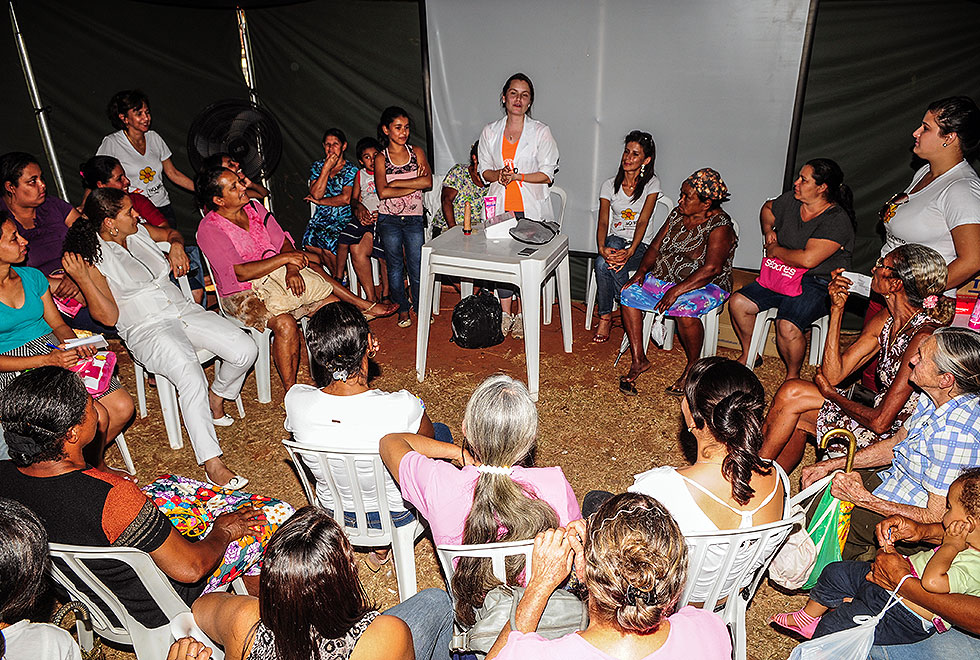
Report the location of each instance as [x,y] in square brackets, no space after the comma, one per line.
[467,219]
[974,321]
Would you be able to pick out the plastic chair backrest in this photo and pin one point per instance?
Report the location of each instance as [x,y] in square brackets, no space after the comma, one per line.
[207,265]
[737,558]
[497,553]
[559,192]
[184,625]
[144,640]
[432,198]
[333,463]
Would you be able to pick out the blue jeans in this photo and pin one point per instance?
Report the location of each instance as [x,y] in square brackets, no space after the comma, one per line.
[951,645]
[402,234]
[195,276]
[846,579]
[429,615]
[609,282]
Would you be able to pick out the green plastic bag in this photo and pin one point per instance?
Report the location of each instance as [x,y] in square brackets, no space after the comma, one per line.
[823,532]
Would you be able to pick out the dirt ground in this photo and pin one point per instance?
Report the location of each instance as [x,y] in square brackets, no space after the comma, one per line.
[597,436]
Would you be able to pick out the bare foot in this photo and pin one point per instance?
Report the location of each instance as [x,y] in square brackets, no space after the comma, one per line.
[636,369]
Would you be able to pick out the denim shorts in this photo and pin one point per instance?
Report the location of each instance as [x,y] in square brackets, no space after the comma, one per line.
[802,310]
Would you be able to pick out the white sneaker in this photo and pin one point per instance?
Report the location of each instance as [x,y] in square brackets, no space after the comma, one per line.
[506,321]
[517,327]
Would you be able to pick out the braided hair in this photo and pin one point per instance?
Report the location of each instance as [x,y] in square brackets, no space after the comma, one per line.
[728,398]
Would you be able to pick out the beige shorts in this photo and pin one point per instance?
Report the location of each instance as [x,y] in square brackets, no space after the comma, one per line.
[270,297]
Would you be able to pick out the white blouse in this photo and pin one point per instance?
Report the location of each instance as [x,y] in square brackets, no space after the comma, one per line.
[139,278]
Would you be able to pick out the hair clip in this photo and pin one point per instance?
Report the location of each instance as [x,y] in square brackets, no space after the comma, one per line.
[504,470]
[340,374]
[634,594]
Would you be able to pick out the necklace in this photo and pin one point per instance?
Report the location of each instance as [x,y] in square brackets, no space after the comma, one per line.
[894,337]
[136,146]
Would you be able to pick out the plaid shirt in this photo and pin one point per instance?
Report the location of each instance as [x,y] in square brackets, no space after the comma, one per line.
[941,443]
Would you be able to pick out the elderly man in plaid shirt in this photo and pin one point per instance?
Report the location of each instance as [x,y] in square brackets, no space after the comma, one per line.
[938,441]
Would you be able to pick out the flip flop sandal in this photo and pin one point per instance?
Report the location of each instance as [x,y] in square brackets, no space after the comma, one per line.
[674,391]
[600,339]
[374,562]
[627,387]
[806,630]
[370,316]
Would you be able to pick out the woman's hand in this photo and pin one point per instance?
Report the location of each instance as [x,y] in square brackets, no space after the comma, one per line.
[240,523]
[188,648]
[62,357]
[63,286]
[551,561]
[75,266]
[667,301]
[826,389]
[888,569]
[839,289]
[575,533]
[506,176]
[313,200]
[295,282]
[637,278]
[179,263]
[893,529]
[294,258]
[615,258]
[813,473]
[770,238]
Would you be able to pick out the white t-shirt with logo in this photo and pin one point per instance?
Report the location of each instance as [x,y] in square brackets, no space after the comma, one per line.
[144,171]
[369,194]
[624,213]
[931,214]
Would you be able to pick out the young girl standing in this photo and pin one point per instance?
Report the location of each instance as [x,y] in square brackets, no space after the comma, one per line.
[359,237]
[401,173]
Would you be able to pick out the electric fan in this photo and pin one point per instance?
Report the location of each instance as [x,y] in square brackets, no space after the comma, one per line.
[241,128]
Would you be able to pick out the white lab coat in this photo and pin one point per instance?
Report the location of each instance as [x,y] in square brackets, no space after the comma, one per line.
[537,151]
[163,330]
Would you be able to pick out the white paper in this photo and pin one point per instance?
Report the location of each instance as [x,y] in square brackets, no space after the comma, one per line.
[95,340]
[861,283]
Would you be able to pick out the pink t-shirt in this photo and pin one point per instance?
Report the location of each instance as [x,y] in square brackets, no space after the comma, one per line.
[226,245]
[693,633]
[443,494]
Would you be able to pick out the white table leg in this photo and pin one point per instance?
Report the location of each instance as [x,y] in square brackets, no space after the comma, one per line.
[426,286]
[531,311]
[565,303]
[436,297]
[465,288]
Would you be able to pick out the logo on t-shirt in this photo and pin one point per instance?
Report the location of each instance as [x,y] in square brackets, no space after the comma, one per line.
[147,174]
[628,215]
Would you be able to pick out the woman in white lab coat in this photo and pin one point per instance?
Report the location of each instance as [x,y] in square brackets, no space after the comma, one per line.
[520,158]
[125,279]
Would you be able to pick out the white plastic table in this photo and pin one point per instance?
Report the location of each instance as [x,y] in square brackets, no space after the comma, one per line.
[474,257]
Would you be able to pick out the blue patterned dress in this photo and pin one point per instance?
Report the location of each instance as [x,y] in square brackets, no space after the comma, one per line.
[328,221]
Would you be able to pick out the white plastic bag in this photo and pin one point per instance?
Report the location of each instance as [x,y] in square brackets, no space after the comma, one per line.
[851,644]
[792,565]
[658,333]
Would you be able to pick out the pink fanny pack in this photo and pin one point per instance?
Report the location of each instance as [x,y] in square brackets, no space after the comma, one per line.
[780,277]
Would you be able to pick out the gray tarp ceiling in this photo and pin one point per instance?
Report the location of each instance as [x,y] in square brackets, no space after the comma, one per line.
[317,64]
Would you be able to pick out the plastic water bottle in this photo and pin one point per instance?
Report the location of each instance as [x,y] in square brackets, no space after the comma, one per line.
[974,322]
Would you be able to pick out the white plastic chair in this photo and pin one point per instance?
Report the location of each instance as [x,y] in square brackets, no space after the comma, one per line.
[347,461]
[262,339]
[548,294]
[729,589]
[167,392]
[663,202]
[497,553]
[124,452]
[184,625]
[432,202]
[760,331]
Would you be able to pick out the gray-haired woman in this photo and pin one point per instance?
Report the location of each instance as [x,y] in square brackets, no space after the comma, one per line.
[911,279]
[632,558]
[493,496]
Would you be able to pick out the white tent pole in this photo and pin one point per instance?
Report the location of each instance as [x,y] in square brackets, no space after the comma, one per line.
[250,82]
[39,109]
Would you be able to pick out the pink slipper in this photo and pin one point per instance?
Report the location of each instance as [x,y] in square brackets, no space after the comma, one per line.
[806,630]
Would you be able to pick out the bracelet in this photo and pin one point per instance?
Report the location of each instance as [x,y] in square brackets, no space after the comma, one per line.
[522,178]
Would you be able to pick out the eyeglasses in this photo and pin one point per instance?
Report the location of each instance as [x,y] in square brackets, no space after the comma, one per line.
[880,263]
[887,211]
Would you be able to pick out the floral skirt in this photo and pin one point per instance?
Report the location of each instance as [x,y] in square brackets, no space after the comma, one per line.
[193,506]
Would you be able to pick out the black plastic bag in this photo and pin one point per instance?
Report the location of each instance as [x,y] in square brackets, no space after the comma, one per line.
[476,321]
